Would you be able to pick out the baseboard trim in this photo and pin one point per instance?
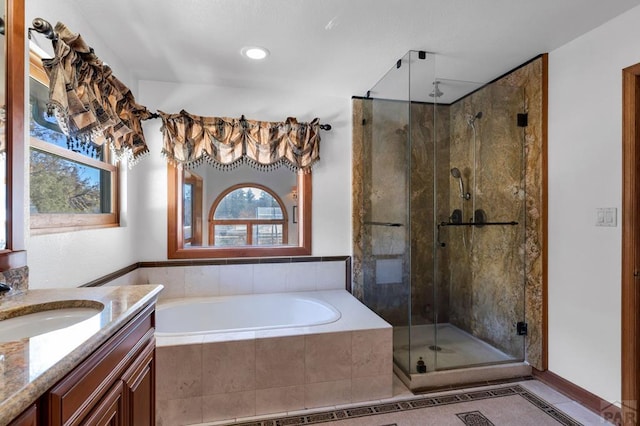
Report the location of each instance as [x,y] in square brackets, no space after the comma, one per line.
[587,399]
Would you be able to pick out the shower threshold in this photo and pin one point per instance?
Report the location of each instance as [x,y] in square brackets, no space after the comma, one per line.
[457,358]
[463,376]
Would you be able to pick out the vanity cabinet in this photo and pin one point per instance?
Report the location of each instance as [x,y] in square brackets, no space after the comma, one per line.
[115,385]
[27,418]
[139,389]
[109,411]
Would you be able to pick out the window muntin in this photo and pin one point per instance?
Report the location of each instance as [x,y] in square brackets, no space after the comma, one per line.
[248,215]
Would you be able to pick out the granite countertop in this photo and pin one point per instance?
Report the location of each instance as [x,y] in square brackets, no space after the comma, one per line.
[30,366]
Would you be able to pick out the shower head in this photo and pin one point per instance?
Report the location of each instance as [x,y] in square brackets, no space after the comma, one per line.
[471,119]
[455,172]
[436,93]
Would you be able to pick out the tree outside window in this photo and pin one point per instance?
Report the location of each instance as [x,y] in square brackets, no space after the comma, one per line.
[248,215]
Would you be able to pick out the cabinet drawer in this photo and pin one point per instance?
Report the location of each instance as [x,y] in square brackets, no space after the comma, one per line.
[74,396]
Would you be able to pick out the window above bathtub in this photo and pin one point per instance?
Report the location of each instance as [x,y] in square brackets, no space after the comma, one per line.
[242,212]
[73,185]
[247,214]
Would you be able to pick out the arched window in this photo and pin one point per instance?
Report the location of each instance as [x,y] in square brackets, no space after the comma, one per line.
[248,214]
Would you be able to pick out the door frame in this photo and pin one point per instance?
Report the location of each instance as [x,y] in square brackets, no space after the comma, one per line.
[630,274]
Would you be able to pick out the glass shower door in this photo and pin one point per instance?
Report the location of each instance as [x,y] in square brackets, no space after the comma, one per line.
[398,255]
[386,252]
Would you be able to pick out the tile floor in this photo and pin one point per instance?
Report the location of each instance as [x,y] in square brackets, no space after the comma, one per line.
[400,392]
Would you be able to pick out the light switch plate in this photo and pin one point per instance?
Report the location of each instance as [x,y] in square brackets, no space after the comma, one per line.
[606,216]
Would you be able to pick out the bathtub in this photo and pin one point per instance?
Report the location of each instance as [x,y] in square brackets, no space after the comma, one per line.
[193,316]
[224,358]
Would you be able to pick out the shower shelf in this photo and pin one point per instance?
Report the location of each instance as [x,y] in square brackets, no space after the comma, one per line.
[512,223]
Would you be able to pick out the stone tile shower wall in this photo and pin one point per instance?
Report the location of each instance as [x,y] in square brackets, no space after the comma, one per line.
[529,79]
[486,264]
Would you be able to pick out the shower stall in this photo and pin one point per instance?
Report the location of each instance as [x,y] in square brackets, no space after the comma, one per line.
[441,226]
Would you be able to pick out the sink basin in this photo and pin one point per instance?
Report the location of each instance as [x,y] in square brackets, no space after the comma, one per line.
[42,319]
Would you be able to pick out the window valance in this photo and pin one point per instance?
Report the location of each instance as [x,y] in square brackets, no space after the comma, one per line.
[227,142]
[89,102]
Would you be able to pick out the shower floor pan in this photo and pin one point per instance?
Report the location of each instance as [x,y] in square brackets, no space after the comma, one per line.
[460,358]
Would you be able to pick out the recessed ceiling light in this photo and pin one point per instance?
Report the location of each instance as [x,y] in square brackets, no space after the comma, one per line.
[255,52]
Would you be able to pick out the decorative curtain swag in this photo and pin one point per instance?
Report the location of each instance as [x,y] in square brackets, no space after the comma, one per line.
[228,142]
[89,102]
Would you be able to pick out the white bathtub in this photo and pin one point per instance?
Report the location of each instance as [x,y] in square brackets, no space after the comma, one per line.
[266,352]
[206,315]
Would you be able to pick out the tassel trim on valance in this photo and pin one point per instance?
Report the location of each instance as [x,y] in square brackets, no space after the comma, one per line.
[89,102]
[239,162]
[226,143]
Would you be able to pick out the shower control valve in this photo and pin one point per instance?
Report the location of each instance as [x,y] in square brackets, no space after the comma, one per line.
[521,328]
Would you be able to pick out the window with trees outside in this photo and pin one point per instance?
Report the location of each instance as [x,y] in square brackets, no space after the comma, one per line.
[73,185]
[248,215]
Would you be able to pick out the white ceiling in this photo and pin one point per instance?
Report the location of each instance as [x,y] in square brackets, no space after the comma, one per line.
[333,47]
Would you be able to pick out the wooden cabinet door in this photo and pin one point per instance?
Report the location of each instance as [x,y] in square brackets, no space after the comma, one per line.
[27,418]
[109,411]
[139,388]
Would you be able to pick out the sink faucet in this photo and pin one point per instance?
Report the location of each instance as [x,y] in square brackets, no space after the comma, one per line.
[4,287]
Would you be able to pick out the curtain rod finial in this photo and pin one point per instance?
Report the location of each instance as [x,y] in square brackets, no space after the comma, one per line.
[45,28]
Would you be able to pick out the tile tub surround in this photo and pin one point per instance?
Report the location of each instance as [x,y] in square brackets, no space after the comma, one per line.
[228,375]
[234,279]
[29,367]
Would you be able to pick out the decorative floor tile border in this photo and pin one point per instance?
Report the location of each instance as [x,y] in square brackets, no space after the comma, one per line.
[474,418]
[413,404]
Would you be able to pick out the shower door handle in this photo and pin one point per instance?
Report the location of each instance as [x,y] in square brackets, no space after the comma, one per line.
[392,224]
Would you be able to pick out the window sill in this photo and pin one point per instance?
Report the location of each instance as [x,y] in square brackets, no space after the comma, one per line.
[51,224]
[253,251]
